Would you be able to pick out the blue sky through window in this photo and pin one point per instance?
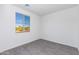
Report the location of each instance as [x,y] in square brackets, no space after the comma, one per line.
[22,19]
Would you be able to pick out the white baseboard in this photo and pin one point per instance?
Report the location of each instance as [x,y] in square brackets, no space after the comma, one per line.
[17,45]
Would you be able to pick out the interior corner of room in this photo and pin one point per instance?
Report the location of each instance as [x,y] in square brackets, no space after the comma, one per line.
[52,22]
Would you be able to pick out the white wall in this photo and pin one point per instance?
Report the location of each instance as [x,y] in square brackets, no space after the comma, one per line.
[62,27]
[8,37]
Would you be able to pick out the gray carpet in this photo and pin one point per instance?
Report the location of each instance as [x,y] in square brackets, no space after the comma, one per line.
[42,47]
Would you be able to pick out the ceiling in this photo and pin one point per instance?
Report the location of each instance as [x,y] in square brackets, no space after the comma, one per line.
[43,9]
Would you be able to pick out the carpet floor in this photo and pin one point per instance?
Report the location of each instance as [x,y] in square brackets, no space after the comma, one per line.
[42,47]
